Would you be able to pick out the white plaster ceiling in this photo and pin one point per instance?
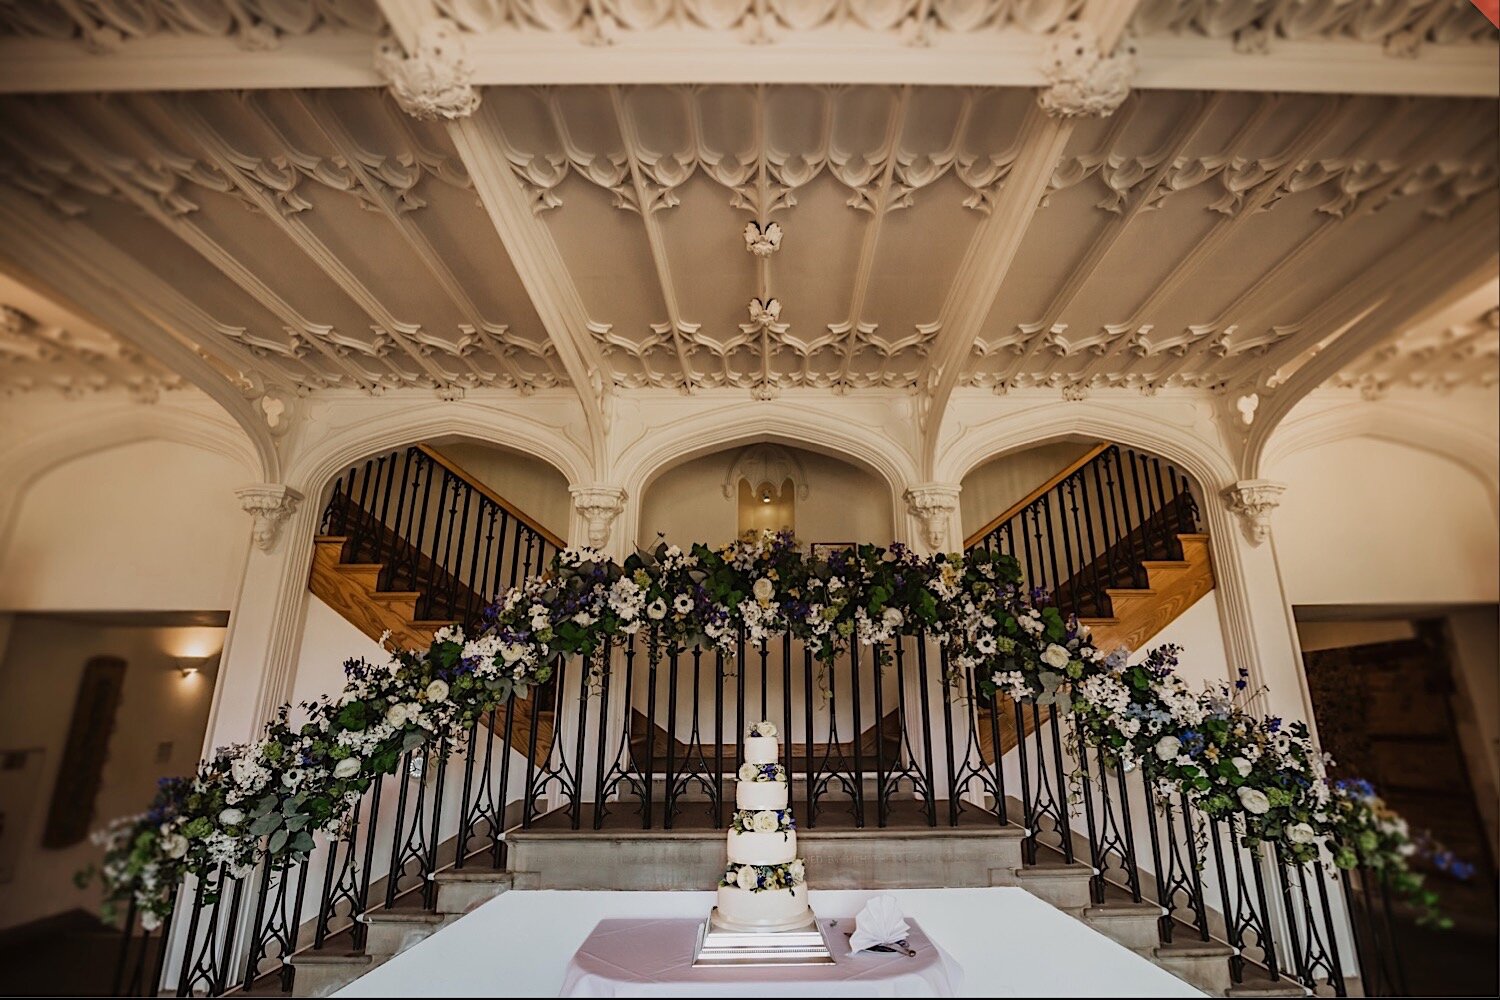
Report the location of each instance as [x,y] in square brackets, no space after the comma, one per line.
[326,240]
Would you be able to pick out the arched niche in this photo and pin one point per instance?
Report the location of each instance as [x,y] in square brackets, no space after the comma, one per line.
[699,499]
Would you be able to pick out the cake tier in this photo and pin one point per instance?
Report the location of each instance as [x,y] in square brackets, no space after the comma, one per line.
[775,848]
[761,749]
[766,910]
[760,795]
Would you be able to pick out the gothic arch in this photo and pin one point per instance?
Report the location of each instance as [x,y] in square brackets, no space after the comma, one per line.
[22,466]
[1467,447]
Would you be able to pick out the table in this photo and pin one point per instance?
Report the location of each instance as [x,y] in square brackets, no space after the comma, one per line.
[654,957]
[1008,943]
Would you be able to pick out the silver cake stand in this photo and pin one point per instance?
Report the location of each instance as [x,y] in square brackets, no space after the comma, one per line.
[724,943]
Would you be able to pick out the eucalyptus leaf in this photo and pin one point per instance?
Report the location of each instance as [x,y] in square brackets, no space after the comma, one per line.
[265,824]
[278,841]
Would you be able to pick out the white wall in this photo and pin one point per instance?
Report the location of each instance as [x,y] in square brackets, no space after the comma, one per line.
[1366,521]
[535,487]
[148,525]
[992,488]
[39,677]
[844,503]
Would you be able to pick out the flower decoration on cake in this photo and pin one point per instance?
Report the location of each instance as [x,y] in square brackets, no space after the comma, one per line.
[763,878]
[763,728]
[762,821]
[762,772]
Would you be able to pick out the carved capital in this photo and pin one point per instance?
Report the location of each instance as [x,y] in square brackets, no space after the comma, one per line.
[435,80]
[933,504]
[270,504]
[1253,500]
[599,506]
[1082,80]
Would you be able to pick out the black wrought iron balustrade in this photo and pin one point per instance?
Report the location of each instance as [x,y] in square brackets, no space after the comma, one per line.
[1094,526]
[436,532]
[879,738]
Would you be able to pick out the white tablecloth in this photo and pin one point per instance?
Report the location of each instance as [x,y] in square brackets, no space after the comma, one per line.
[637,958]
[1008,943]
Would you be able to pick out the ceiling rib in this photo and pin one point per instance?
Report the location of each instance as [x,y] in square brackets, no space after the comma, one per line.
[880,206]
[96,160]
[329,123]
[540,266]
[104,285]
[646,206]
[1225,227]
[228,160]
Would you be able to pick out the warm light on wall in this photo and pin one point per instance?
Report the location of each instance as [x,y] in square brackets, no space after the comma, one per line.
[198,642]
[192,666]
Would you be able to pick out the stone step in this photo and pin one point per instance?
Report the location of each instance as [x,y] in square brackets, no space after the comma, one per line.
[1204,964]
[1063,885]
[324,973]
[1134,925]
[390,932]
[836,859]
[461,890]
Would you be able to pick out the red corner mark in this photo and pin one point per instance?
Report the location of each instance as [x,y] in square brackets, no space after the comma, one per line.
[1490,9]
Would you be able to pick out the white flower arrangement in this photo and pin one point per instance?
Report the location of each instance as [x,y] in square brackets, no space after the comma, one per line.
[763,728]
[765,878]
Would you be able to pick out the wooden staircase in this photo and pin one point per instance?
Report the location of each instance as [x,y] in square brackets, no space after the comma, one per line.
[410,596]
[1126,596]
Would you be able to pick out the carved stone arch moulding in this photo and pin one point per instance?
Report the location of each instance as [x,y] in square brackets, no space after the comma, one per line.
[1468,447]
[315,469]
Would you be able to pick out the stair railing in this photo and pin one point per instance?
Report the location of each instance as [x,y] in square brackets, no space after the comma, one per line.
[437,531]
[1090,527]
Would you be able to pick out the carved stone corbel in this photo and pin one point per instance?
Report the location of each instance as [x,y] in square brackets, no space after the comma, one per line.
[933,504]
[1253,500]
[270,504]
[1082,80]
[599,506]
[433,81]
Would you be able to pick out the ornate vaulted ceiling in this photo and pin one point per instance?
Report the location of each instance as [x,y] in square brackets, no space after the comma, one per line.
[306,232]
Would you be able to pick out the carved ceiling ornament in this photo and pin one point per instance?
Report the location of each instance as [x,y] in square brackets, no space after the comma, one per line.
[766,464]
[270,504]
[1083,81]
[36,356]
[933,504]
[1252,501]
[762,241]
[599,506]
[435,81]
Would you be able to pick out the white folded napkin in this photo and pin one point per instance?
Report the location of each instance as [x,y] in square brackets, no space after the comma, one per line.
[879,923]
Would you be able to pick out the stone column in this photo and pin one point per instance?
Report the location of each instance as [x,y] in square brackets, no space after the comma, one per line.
[1260,633]
[934,508]
[258,665]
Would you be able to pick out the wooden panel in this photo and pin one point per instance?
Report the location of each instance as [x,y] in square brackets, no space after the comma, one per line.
[71,813]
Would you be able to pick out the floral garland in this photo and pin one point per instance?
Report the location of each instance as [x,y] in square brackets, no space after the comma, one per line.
[763,821]
[266,799]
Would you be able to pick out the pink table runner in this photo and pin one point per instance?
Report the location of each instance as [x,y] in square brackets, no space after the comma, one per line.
[636,958]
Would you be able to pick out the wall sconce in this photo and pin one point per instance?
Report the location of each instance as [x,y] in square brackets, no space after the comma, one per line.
[766,493]
[192,666]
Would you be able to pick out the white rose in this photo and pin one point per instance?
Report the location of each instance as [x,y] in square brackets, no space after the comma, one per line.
[346,768]
[1056,656]
[150,921]
[1253,800]
[748,771]
[511,652]
[437,691]
[1299,833]
[656,610]
[174,845]
[1241,765]
[763,590]
[1168,747]
[396,716]
[231,817]
[796,870]
[746,878]
[892,617]
[765,821]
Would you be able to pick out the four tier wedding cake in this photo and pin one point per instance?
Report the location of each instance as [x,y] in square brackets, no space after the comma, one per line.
[765,885]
